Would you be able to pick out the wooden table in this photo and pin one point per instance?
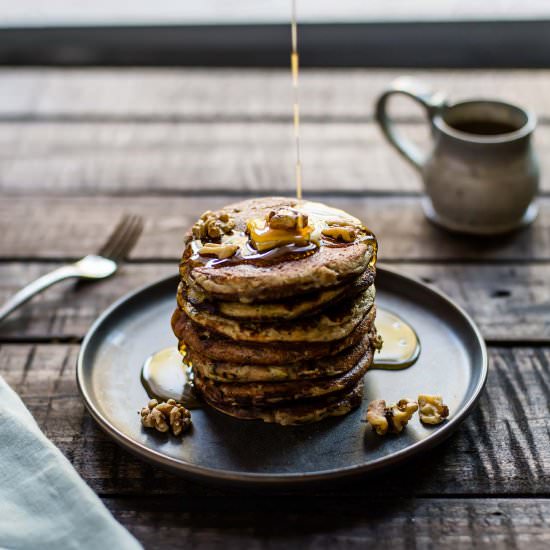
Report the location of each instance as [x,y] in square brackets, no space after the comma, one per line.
[80,147]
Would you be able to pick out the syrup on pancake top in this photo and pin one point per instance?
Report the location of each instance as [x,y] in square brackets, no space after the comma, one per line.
[269,286]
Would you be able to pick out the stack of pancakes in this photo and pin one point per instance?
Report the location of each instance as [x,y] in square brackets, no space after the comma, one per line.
[283,335]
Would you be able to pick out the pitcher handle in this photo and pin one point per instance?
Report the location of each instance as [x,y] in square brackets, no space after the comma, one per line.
[432,103]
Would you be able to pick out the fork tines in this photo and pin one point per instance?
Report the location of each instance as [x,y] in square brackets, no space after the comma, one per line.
[123,238]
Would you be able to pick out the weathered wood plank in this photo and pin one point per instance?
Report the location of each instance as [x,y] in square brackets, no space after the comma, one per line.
[208,94]
[107,158]
[326,523]
[130,158]
[67,310]
[329,523]
[50,227]
[503,448]
[508,303]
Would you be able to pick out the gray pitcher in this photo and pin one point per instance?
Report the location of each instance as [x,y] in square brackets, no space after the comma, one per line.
[481,174]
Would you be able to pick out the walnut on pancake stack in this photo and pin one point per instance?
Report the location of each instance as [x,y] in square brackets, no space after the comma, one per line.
[276,309]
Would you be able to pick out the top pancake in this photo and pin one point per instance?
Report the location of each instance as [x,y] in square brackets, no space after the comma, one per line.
[248,282]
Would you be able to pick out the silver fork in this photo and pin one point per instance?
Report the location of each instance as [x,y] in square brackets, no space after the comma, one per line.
[91,267]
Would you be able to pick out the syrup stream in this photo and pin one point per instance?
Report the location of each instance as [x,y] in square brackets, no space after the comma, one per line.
[295,65]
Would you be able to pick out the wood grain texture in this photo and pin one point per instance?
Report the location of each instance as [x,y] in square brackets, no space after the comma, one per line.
[507,303]
[171,158]
[502,449]
[168,158]
[233,94]
[326,523]
[69,227]
[67,310]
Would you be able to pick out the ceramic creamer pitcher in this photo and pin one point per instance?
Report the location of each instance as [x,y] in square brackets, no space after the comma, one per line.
[480,174]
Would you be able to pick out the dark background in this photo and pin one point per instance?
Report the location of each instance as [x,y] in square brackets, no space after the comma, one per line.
[452,44]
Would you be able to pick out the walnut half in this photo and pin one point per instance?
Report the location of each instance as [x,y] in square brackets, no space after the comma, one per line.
[432,409]
[166,415]
[219,250]
[393,418]
[345,233]
[288,219]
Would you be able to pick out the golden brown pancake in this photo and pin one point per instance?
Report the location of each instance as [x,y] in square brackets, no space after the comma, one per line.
[287,309]
[223,371]
[329,266]
[217,347]
[332,323]
[275,393]
[299,413]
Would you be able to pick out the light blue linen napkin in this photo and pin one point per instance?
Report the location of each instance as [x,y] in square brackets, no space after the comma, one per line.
[43,501]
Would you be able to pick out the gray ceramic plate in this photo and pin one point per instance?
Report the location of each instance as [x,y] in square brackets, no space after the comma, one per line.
[453,362]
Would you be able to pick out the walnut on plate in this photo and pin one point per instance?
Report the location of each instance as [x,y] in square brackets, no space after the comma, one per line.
[165,416]
[432,409]
[392,418]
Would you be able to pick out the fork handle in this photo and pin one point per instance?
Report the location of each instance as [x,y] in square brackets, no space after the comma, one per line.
[37,286]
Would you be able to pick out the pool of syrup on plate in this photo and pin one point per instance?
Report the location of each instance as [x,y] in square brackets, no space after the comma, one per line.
[166,375]
[401,347]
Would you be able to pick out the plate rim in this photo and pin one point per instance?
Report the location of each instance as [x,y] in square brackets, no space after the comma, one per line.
[185,468]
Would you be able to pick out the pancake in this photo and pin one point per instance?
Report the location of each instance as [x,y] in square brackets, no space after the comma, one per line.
[215,346]
[327,267]
[274,393]
[299,413]
[222,371]
[287,309]
[333,323]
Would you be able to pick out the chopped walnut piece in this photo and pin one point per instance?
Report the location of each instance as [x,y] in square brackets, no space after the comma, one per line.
[393,418]
[377,342]
[376,416]
[402,413]
[166,415]
[432,409]
[345,233]
[286,219]
[220,250]
[212,227]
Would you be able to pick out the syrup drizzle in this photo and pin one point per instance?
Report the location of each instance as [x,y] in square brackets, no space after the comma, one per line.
[248,254]
[295,67]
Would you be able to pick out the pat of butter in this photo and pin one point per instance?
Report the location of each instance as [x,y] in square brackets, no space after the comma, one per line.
[265,238]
